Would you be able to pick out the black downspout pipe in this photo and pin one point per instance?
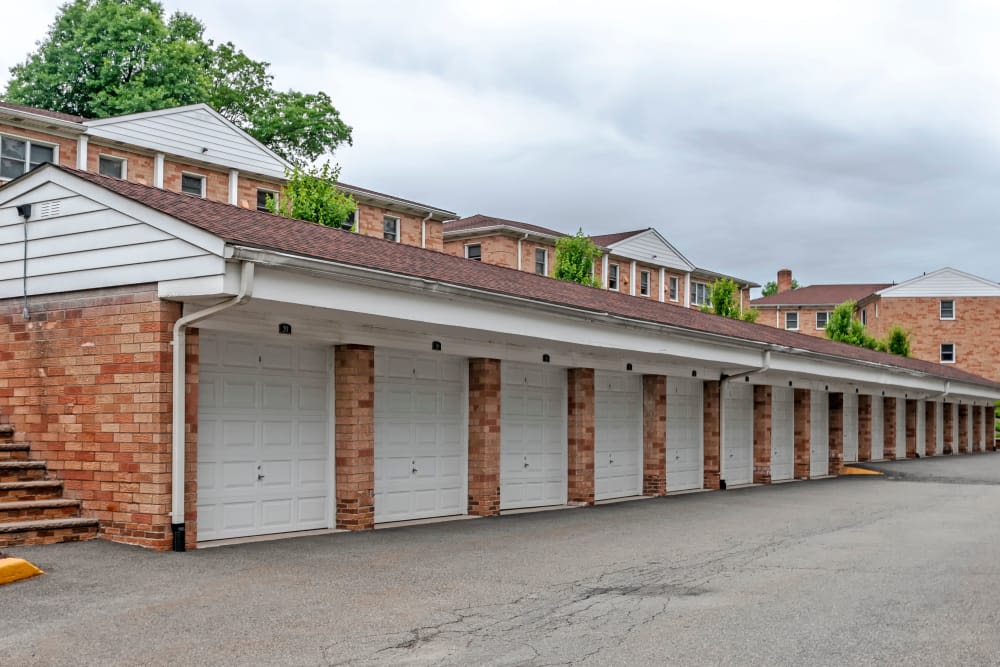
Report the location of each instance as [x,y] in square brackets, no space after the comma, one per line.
[178,533]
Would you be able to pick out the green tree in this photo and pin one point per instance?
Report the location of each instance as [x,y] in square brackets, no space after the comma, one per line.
[723,300]
[771,288]
[311,194]
[575,257]
[105,58]
[844,327]
[898,341]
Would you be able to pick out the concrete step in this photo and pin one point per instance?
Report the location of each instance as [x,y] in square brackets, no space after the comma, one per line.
[14,451]
[42,489]
[47,531]
[29,510]
[22,471]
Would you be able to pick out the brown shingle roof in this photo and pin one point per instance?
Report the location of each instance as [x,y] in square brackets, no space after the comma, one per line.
[263,230]
[820,295]
[42,112]
[480,221]
[605,240]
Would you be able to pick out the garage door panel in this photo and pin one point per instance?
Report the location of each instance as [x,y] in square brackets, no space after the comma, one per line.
[277,474]
[239,354]
[850,428]
[684,434]
[239,393]
[276,513]
[782,433]
[819,435]
[900,428]
[239,516]
[276,357]
[617,434]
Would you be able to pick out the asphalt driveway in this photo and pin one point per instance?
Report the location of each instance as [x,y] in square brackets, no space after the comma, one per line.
[844,571]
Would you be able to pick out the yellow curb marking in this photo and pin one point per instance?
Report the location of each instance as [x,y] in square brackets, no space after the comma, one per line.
[850,470]
[15,569]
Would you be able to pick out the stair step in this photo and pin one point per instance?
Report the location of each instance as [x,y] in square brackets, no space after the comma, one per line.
[32,490]
[27,510]
[14,451]
[6,430]
[22,471]
[47,531]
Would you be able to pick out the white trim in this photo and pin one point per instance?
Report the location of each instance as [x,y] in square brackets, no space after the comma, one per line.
[28,142]
[663,284]
[114,158]
[941,303]
[797,323]
[954,353]
[618,277]
[631,278]
[81,152]
[468,245]
[234,186]
[257,192]
[687,289]
[604,271]
[823,312]
[191,174]
[158,170]
[399,227]
[615,246]
[992,288]
[545,262]
[674,283]
[649,281]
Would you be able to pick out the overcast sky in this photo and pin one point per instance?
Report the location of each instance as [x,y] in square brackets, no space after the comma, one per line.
[853,142]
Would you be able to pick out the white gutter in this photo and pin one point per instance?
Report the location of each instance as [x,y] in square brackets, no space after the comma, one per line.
[423,230]
[178,430]
[519,241]
[765,366]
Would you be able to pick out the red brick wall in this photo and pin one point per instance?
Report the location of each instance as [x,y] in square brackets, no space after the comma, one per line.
[371,223]
[864,427]
[66,153]
[87,381]
[354,416]
[802,421]
[246,191]
[930,429]
[711,414]
[975,331]
[774,317]
[528,256]
[654,435]
[138,167]
[499,250]
[580,435]
[889,427]
[836,433]
[484,437]
[216,181]
[762,434]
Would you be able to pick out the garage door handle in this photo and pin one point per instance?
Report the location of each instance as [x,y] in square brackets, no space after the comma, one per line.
[260,475]
[525,461]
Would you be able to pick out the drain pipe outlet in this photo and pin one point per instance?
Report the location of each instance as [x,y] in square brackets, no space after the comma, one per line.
[765,366]
[177,477]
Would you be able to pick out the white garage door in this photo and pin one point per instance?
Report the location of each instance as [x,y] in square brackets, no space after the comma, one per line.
[532,435]
[900,428]
[420,452]
[684,434]
[617,435]
[737,448]
[878,429]
[921,425]
[819,434]
[263,437]
[850,428]
[782,433]
[939,426]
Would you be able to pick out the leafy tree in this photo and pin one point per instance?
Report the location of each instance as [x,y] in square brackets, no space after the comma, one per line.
[723,300]
[771,288]
[898,341]
[105,58]
[575,257]
[846,328]
[312,195]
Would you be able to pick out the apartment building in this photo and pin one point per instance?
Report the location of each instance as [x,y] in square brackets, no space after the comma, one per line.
[193,150]
[639,263]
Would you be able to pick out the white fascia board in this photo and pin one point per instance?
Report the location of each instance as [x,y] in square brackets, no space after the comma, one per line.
[499,229]
[394,203]
[906,284]
[68,128]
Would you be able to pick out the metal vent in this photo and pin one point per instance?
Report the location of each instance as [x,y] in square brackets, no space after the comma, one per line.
[49,209]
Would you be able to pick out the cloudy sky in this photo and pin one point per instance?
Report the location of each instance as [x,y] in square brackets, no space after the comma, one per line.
[848,141]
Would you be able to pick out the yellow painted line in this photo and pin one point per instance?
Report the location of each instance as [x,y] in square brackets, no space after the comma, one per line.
[15,569]
[851,470]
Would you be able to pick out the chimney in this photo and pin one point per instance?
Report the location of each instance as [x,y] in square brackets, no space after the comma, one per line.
[784,280]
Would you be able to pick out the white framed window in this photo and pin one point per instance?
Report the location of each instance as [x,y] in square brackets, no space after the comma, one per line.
[193,184]
[792,321]
[115,167]
[263,195]
[474,251]
[822,318]
[19,156]
[947,353]
[613,276]
[644,283]
[390,228]
[541,261]
[674,292]
[947,309]
[699,294]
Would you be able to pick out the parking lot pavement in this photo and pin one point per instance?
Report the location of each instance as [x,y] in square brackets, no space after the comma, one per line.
[961,469]
[832,572]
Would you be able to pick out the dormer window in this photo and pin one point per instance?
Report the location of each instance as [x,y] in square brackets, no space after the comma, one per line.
[613,276]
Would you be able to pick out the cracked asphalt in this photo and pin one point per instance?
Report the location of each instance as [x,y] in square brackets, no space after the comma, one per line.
[848,571]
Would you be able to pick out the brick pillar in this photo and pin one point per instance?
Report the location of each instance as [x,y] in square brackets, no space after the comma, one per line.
[977,428]
[930,429]
[836,433]
[484,437]
[949,427]
[712,411]
[911,428]
[864,427]
[889,427]
[581,436]
[963,428]
[354,389]
[991,438]
[802,433]
[762,434]
[654,435]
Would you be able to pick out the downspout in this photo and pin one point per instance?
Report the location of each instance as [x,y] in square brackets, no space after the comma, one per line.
[423,230]
[765,366]
[519,250]
[177,477]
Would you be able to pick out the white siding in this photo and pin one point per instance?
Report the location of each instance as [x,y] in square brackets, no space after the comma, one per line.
[944,283]
[650,248]
[185,132]
[86,245]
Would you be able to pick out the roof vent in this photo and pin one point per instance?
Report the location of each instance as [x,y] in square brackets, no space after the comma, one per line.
[49,209]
